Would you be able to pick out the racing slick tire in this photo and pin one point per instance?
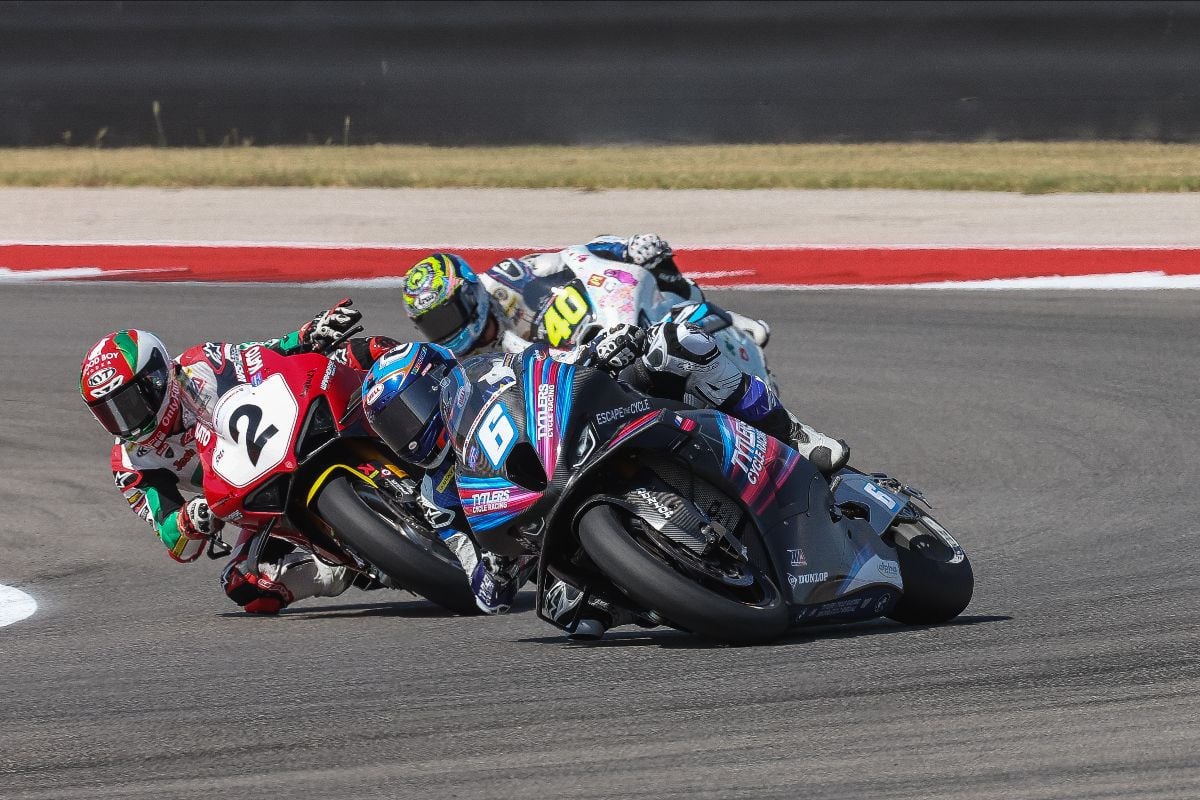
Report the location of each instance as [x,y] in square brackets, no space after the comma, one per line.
[378,534]
[644,574]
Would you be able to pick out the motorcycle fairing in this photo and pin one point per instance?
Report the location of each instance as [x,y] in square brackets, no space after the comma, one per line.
[882,504]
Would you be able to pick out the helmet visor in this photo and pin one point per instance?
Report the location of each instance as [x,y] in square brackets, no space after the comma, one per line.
[445,321]
[133,406]
[402,423]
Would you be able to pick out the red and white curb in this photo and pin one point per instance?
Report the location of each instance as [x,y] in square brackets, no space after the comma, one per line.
[743,267]
[15,605]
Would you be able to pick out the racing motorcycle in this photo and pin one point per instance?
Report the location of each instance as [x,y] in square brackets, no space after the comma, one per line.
[601,293]
[290,456]
[687,517]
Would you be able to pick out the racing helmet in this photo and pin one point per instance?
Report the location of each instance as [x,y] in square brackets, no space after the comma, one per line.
[402,400]
[127,381]
[446,301]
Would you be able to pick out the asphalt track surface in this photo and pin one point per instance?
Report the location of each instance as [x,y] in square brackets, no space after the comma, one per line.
[1056,434]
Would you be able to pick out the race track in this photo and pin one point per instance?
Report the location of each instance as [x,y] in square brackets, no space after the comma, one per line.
[1055,433]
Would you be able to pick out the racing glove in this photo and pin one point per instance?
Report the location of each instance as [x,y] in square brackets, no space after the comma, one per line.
[616,348]
[329,325]
[647,250]
[196,520]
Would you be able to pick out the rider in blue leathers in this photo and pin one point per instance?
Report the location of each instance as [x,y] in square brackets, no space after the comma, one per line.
[403,398]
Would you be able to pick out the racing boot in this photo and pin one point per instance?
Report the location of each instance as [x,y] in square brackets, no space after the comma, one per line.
[826,453]
[756,329]
[495,580]
[596,617]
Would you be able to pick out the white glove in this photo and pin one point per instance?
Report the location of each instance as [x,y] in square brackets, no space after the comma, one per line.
[616,348]
[329,325]
[196,520]
[647,250]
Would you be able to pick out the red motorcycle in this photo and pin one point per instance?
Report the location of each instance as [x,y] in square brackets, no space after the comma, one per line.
[289,455]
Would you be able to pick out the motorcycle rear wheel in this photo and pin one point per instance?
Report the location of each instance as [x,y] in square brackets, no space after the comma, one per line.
[388,542]
[643,574]
[937,575]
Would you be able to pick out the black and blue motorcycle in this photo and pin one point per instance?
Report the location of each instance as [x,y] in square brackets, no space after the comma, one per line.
[689,518]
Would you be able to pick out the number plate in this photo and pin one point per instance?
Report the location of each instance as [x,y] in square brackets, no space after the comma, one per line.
[254,425]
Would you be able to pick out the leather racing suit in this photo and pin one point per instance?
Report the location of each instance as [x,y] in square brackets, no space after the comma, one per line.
[154,472]
[524,292]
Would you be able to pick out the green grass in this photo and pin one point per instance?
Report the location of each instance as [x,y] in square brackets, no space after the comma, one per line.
[1028,167]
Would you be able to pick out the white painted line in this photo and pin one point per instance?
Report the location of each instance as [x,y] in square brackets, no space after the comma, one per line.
[15,605]
[551,246]
[68,273]
[1129,280]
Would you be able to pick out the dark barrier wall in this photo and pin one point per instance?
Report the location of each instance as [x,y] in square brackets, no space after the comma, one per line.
[470,73]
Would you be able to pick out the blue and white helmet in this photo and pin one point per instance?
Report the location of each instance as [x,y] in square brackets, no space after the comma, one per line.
[446,301]
[402,400]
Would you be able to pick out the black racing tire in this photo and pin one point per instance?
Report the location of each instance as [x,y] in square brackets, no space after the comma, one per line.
[653,584]
[938,584]
[376,539]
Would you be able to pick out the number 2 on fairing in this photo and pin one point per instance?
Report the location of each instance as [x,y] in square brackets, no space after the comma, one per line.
[496,434]
[561,318]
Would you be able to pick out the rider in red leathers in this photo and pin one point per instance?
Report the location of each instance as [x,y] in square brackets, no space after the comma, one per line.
[150,404]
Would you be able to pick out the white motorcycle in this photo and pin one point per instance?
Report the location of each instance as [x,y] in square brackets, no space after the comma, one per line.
[597,293]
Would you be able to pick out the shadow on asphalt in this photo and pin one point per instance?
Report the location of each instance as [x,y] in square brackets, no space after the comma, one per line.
[416,608]
[678,640]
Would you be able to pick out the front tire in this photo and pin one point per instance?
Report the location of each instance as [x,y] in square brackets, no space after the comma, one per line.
[649,580]
[937,575]
[386,544]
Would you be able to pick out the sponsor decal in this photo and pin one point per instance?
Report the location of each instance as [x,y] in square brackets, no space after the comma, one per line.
[491,500]
[796,558]
[97,350]
[501,376]
[749,450]
[449,476]
[374,394]
[665,511]
[622,276]
[807,578]
[101,376]
[125,480]
[238,370]
[889,568]
[617,414]
[328,376]
[596,281]
[203,435]
[254,364]
[215,355]
[104,389]
[460,397]
[196,386]
[183,460]
[545,411]
[233,516]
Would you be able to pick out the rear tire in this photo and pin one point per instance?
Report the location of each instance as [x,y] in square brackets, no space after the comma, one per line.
[938,584]
[377,540]
[653,584]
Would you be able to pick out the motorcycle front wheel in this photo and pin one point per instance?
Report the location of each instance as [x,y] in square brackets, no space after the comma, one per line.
[381,535]
[646,575]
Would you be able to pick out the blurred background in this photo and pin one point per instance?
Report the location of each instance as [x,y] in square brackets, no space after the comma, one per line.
[459,73]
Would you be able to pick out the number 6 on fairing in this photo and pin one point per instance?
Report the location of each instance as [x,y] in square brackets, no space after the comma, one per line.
[496,434]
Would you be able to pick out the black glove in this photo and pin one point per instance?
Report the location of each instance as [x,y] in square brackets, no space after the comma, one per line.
[617,348]
[329,325]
